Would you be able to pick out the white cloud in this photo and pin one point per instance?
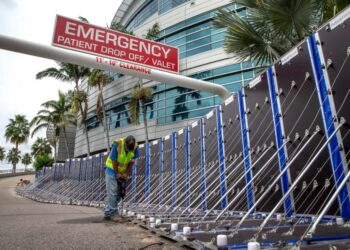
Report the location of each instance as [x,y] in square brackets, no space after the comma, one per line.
[20,92]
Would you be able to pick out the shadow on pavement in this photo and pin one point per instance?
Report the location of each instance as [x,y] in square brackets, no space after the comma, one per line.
[88,220]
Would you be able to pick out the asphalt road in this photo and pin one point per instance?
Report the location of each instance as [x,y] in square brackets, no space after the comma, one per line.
[26,224]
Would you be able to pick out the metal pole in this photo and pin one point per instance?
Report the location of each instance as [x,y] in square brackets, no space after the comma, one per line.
[61,55]
[274,182]
[237,181]
[328,205]
[291,188]
[249,183]
[213,183]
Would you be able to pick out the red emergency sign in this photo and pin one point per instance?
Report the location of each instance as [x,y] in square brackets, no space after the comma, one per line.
[84,37]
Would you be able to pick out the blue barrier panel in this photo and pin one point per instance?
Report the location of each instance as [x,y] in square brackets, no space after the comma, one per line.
[246,147]
[148,172]
[133,181]
[328,113]
[86,173]
[279,136]
[160,171]
[70,166]
[187,165]
[55,167]
[173,169]
[221,157]
[80,168]
[203,165]
[101,165]
[92,176]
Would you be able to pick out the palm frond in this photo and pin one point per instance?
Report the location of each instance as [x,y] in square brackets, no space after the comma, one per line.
[53,73]
[153,32]
[38,128]
[83,19]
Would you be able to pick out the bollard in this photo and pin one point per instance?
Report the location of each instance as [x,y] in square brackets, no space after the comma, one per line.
[340,221]
[221,240]
[254,246]
[279,217]
[186,231]
[174,227]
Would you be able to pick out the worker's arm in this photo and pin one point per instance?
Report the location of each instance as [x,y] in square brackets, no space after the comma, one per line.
[114,156]
[131,164]
[129,168]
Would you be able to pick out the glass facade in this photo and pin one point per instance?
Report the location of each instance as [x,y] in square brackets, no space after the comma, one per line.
[150,8]
[170,104]
[197,34]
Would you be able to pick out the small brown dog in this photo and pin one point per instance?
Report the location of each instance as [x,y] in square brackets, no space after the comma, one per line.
[23,182]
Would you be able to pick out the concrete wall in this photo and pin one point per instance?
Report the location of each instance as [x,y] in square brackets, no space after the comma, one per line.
[62,154]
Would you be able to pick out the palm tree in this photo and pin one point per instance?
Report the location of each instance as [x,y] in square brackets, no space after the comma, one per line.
[121,28]
[100,79]
[74,98]
[17,132]
[71,73]
[2,153]
[53,136]
[55,113]
[153,32]
[26,160]
[13,157]
[140,96]
[271,27]
[41,146]
[332,7]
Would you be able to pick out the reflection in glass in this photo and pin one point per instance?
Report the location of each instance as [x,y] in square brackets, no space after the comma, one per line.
[181,109]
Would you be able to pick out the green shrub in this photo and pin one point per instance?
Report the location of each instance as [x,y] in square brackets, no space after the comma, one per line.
[43,160]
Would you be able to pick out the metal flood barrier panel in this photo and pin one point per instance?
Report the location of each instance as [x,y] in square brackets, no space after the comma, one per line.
[298,95]
[233,148]
[267,165]
[262,142]
[197,166]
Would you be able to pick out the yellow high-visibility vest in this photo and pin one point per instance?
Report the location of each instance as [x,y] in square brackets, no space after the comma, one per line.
[123,157]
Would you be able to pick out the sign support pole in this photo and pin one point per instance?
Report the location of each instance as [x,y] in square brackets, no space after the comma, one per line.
[61,55]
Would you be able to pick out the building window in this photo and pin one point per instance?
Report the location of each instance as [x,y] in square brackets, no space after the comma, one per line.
[172,104]
[150,8]
[196,35]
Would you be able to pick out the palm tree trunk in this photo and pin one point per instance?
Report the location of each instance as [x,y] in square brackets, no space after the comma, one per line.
[84,123]
[55,153]
[144,109]
[14,163]
[65,141]
[105,125]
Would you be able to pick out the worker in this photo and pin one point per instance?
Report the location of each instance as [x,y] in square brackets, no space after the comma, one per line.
[118,168]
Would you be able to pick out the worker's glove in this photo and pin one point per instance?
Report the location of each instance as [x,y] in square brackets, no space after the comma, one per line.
[122,177]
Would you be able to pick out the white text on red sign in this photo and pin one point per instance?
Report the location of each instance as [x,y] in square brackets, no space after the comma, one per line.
[88,38]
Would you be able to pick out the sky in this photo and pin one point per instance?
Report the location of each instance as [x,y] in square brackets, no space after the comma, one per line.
[20,92]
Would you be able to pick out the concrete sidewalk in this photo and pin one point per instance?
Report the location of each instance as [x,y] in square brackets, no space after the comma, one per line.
[26,224]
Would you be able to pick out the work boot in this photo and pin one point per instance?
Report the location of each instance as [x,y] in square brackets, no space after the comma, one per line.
[117,218]
[107,218]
